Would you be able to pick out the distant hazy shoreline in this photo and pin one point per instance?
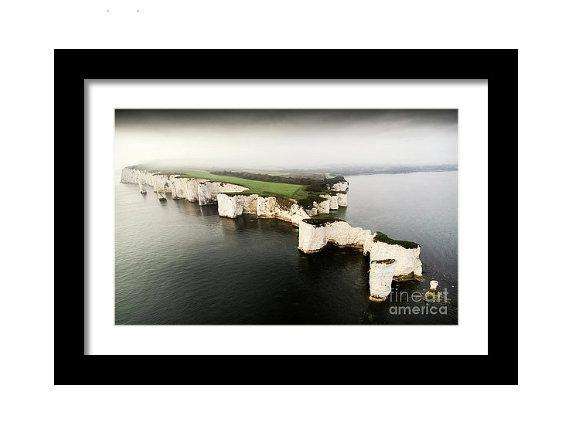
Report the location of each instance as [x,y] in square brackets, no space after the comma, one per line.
[395,171]
[179,166]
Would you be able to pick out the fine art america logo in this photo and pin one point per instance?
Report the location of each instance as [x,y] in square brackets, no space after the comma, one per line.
[416,303]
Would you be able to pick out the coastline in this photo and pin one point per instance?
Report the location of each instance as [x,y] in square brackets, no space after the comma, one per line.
[388,259]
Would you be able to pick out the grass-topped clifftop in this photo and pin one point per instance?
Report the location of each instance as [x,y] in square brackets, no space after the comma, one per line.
[302,189]
[382,237]
[262,188]
[305,188]
[321,220]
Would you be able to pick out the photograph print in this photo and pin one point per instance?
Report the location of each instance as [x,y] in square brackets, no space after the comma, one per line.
[286,217]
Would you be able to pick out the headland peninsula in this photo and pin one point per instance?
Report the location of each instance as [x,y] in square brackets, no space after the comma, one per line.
[307,200]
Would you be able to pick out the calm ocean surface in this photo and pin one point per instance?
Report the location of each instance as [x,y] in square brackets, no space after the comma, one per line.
[180,263]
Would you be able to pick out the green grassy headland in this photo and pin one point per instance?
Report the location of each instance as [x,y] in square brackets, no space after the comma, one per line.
[262,188]
[382,237]
[304,190]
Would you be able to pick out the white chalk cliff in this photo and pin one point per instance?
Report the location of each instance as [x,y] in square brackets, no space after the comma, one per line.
[197,190]
[407,260]
[389,259]
[313,237]
[381,275]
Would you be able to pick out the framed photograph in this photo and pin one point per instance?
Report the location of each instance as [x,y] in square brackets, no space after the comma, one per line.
[286,217]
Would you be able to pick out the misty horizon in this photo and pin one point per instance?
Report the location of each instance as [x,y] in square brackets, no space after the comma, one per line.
[287,139]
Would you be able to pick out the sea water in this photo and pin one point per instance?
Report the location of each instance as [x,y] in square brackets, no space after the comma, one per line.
[180,263]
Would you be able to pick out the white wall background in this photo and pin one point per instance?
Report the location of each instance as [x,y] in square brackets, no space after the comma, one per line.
[543,406]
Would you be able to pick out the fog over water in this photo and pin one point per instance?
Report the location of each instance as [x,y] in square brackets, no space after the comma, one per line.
[283,139]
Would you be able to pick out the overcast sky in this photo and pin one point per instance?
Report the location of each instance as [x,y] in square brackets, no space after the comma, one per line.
[287,138]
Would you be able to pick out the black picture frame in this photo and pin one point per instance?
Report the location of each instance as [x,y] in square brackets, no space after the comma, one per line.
[73,67]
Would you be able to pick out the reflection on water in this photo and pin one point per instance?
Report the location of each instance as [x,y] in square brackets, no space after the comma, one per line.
[180,263]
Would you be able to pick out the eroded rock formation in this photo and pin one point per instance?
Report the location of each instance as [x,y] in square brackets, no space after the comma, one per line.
[407,260]
[232,206]
[315,235]
[197,190]
[341,186]
[381,275]
[388,259]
